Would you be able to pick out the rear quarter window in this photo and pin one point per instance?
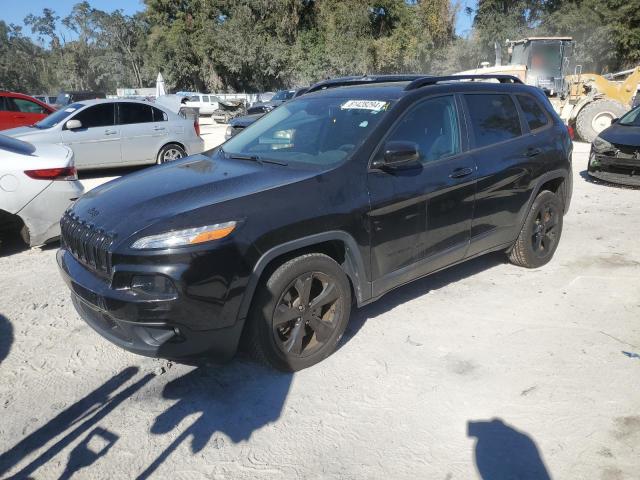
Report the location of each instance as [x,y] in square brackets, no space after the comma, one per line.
[494,118]
[534,114]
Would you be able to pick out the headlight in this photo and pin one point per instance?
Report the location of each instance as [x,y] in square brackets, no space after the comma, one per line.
[189,236]
[600,145]
[228,132]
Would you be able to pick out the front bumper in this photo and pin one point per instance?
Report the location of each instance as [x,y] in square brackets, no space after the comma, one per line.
[165,328]
[614,169]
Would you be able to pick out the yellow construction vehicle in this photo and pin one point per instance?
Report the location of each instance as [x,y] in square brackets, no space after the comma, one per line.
[588,102]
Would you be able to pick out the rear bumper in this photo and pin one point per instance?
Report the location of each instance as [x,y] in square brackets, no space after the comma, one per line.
[624,171]
[42,215]
[150,327]
[195,146]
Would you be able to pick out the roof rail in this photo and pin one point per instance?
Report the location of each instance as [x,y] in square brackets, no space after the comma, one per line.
[362,80]
[425,81]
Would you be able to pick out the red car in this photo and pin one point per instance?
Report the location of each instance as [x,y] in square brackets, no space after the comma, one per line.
[17,110]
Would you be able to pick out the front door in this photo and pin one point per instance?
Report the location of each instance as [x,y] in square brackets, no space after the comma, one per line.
[97,143]
[421,214]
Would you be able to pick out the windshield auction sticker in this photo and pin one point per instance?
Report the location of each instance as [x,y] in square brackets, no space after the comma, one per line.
[375,105]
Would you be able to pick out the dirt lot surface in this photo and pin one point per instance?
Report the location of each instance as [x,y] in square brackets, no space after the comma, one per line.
[485,371]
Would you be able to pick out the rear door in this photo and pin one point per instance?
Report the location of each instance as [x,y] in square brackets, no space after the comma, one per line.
[97,143]
[504,156]
[141,134]
[421,215]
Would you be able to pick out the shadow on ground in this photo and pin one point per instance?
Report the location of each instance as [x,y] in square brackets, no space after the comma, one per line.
[419,288]
[504,453]
[236,400]
[6,337]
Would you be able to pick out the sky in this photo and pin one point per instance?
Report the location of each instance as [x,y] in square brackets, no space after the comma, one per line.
[17,10]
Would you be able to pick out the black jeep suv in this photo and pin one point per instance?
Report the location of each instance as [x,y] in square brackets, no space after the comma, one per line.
[333,199]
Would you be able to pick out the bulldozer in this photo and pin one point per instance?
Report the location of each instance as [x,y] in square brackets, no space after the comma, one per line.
[587,102]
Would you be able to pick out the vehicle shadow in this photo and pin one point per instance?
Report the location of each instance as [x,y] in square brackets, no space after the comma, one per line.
[502,452]
[6,337]
[419,288]
[596,181]
[13,244]
[236,400]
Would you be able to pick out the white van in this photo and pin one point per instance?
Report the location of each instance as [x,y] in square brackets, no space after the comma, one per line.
[207,103]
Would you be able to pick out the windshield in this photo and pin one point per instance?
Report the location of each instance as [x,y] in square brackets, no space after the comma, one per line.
[283,95]
[547,58]
[15,145]
[59,116]
[631,118]
[316,131]
[63,99]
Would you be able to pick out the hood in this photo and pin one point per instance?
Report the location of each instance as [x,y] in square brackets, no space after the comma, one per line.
[622,135]
[176,191]
[28,134]
[245,120]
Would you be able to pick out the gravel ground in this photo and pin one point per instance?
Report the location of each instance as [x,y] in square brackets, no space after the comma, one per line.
[485,370]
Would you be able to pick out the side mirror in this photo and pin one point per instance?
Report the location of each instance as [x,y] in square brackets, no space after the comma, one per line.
[73,124]
[397,154]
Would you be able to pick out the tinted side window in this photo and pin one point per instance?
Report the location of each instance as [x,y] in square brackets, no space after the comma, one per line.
[3,104]
[159,115]
[27,106]
[134,113]
[533,112]
[102,115]
[494,118]
[433,126]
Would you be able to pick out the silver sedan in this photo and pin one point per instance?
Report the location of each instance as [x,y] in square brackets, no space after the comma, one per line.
[116,133]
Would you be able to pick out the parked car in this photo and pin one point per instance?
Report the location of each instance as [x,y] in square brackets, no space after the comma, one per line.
[205,102]
[114,133]
[48,99]
[239,123]
[66,98]
[278,99]
[37,184]
[615,152]
[336,197]
[17,110]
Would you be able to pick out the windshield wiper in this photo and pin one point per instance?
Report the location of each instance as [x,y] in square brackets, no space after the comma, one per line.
[254,158]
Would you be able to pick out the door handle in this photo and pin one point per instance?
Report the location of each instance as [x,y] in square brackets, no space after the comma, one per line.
[533,152]
[461,172]
[110,132]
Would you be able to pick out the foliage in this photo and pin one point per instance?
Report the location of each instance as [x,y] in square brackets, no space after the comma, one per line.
[251,45]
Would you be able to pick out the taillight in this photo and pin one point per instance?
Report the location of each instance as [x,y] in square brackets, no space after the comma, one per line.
[66,173]
[572,134]
[196,126]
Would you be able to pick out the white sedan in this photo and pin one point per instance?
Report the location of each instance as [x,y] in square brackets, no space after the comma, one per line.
[37,184]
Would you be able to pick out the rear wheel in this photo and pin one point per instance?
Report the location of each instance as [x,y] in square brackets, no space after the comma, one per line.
[170,153]
[597,116]
[300,313]
[540,234]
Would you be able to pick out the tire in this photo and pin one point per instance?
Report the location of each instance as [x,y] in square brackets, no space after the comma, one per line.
[592,119]
[277,336]
[540,234]
[170,150]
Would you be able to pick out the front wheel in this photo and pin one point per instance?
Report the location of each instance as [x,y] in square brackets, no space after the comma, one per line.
[540,234]
[300,313]
[170,153]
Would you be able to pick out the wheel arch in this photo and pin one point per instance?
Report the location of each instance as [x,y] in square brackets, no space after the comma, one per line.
[172,142]
[337,244]
[554,181]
